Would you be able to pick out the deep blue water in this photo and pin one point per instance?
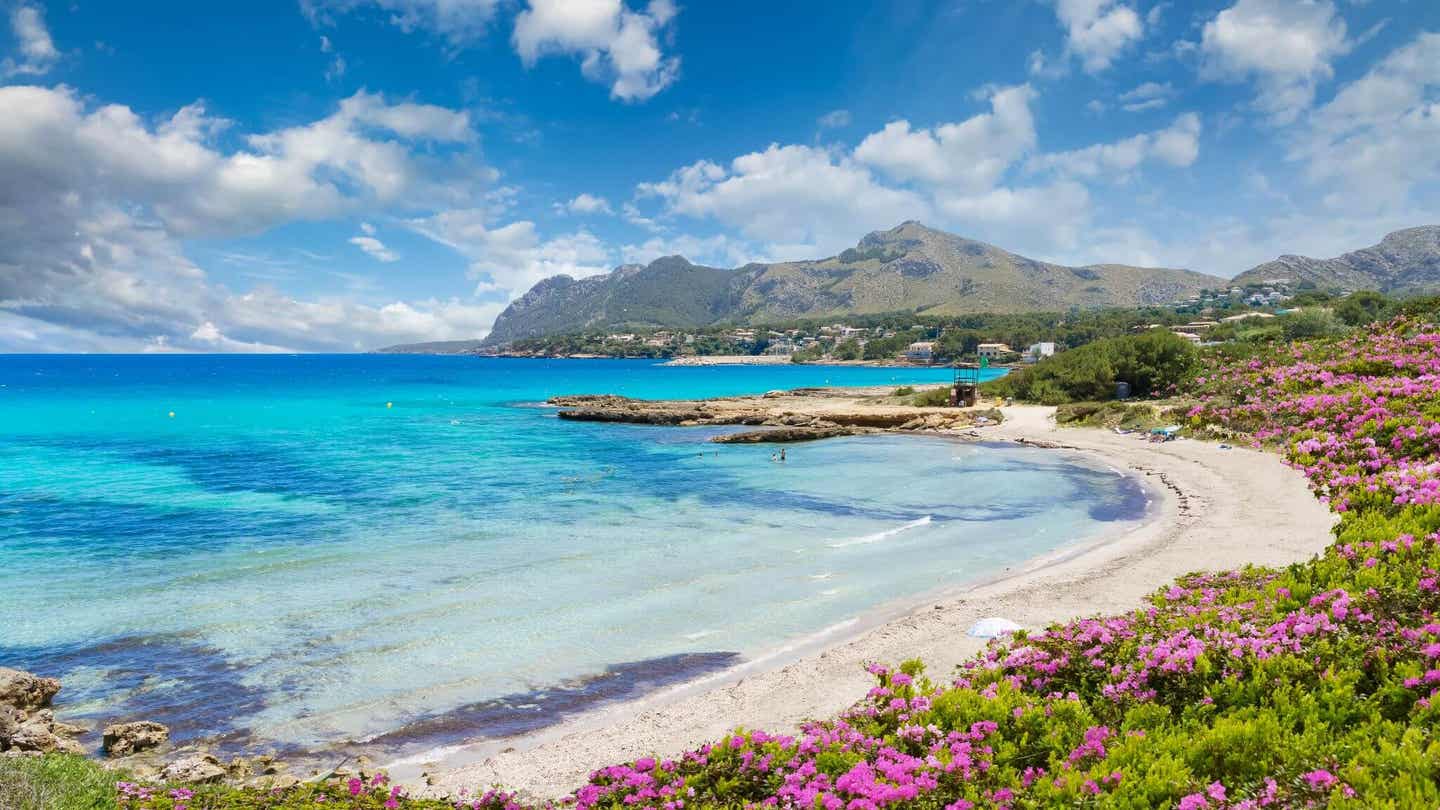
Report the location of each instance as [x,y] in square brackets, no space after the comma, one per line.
[317,548]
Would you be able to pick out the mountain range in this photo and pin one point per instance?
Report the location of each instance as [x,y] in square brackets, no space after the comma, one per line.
[1404,262]
[907,268]
[913,268]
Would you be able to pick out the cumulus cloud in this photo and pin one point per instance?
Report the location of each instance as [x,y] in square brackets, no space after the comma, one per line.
[979,177]
[1374,142]
[509,259]
[1097,31]
[616,45]
[972,153]
[37,50]
[1177,145]
[1285,46]
[94,203]
[585,204]
[801,201]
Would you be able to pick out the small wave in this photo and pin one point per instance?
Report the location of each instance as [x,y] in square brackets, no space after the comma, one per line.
[878,537]
[699,634]
[826,575]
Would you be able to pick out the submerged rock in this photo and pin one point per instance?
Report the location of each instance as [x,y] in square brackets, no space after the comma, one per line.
[783,434]
[125,739]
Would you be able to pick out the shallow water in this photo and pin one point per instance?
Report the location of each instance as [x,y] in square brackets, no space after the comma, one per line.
[290,560]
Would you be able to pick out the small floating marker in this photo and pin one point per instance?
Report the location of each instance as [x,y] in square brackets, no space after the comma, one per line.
[172,414]
[389,404]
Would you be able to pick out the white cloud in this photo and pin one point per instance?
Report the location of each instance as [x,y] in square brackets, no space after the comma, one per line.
[375,248]
[1041,221]
[1177,145]
[1374,142]
[719,250]
[585,204]
[834,119]
[1286,46]
[1147,96]
[972,153]
[94,203]
[460,22]
[37,49]
[511,258]
[801,201]
[1097,31]
[616,45]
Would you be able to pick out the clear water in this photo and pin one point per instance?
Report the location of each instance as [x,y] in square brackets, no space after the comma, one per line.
[288,561]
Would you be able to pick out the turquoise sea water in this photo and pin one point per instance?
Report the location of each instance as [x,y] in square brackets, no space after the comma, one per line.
[288,561]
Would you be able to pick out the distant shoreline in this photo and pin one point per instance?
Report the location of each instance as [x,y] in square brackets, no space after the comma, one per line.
[690,360]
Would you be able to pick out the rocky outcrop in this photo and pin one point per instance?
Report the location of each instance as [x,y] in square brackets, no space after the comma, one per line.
[27,724]
[783,435]
[787,416]
[26,691]
[128,739]
[194,769]
[42,733]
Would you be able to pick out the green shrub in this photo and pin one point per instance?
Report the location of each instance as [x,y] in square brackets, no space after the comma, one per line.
[934,398]
[1152,363]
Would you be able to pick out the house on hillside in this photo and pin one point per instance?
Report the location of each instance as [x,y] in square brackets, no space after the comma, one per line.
[1039,351]
[922,351]
[994,351]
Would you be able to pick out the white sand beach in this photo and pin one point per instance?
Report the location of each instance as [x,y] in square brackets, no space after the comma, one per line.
[1217,508]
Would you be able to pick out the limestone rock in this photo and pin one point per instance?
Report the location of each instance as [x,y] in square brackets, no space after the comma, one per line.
[194,769]
[41,733]
[26,691]
[125,739]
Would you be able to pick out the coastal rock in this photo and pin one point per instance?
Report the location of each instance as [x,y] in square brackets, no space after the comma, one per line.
[194,769]
[40,732]
[125,739]
[26,691]
[783,435]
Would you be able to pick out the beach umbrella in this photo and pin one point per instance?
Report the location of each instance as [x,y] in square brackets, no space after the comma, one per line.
[993,627]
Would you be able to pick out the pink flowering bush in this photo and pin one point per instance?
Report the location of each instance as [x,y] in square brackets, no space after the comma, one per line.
[1314,685]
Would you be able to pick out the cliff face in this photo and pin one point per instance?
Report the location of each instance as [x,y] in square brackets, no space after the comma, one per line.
[1405,261]
[909,267]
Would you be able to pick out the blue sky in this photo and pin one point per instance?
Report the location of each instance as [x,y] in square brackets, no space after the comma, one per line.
[334,175]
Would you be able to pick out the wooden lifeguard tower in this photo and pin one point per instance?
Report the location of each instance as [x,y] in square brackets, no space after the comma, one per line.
[967,385]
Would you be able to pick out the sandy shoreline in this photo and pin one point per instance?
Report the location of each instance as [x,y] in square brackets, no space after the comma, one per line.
[1218,508]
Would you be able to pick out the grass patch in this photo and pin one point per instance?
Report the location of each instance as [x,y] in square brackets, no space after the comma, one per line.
[56,782]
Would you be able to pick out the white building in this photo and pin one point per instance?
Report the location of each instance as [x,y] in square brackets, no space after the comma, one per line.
[1038,351]
[920,352]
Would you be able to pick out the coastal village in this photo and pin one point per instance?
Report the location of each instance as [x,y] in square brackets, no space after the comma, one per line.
[1210,317]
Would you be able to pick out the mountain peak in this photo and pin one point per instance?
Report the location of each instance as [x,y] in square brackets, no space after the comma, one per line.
[1407,260]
